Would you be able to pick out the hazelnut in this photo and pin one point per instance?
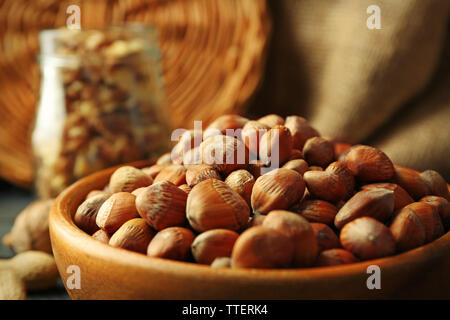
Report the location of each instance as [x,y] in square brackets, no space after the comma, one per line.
[138,191]
[260,247]
[192,157]
[430,219]
[369,164]
[340,169]
[275,146]
[134,235]
[340,148]
[441,205]
[256,169]
[87,212]
[166,158]
[411,181]
[225,153]
[317,211]
[299,165]
[162,205]
[296,154]
[437,186]
[335,257]
[318,151]
[154,170]
[300,130]
[326,186]
[401,197]
[212,204]
[299,232]
[174,173]
[408,230]
[94,193]
[198,173]
[212,244]
[102,236]
[227,121]
[255,220]
[367,239]
[278,189]
[375,203]
[116,210]
[221,262]
[189,140]
[242,182]
[172,243]
[325,236]
[252,133]
[127,179]
[185,188]
[271,120]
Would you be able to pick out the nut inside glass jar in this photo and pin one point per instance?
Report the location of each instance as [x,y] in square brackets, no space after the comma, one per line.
[101,103]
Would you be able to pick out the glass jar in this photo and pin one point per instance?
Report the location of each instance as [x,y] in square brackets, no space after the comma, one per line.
[101,103]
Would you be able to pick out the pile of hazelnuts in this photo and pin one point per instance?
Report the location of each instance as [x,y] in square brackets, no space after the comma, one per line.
[269,193]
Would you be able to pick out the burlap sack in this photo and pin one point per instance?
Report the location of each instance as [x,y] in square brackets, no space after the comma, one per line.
[389,86]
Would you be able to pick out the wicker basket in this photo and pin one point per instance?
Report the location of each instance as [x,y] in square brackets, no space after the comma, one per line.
[213,55]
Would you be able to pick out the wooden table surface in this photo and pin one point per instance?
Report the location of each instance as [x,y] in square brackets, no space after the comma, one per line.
[12,201]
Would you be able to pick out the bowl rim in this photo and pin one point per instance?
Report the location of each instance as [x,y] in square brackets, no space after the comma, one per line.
[61,219]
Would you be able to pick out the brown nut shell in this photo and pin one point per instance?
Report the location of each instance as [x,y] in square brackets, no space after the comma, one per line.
[154,170]
[318,151]
[242,182]
[340,169]
[430,219]
[441,205]
[212,204]
[86,215]
[134,235]
[185,188]
[408,230]
[260,247]
[436,184]
[174,173]
[335,257]
[375,203]
[401,197]
[225,153]
[116,210]
[325,236]
[228,121]
[102,236]
[127,179]
[326,186]
[367,239]
[162,205]
[252,133]
[369,164]
[198,173]
[411,181]
[172,243]
[278,189]
[301,131]
[212,244]
[299,165]
[271,120]
[299,231]
[317,211]
[275,146]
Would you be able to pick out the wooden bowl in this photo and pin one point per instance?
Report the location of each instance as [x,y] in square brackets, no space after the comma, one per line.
[113,273]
